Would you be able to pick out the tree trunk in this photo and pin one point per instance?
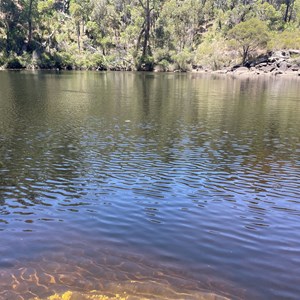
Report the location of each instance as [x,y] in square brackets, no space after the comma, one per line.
[147,30]
[291,10]
[287,10]
[29,25]
[78,35]
[8,38]
[7,46]
[245,54]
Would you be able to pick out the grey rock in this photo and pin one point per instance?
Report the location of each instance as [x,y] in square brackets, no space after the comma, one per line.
[261,65]
[295,68]
[268,68]
[282,54]
[241,70]
[278,72]
[283,66]
[294,51]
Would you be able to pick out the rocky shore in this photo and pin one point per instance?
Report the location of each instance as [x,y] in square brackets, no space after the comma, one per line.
[279,63]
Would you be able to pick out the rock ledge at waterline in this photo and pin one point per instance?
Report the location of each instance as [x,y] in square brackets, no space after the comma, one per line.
[279,63]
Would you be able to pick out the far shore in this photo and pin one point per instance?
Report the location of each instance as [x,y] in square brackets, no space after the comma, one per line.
[240,72]
[250,74]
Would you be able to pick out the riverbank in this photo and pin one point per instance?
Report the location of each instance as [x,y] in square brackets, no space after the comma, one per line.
[243,72]
[283,63]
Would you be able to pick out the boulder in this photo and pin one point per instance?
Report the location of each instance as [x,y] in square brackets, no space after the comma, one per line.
[236,67]
[254,71]
[261,65]
[278,72]
[294,52]
[282,54]
[241,70]
[283,66]
[295,68]
[269,68]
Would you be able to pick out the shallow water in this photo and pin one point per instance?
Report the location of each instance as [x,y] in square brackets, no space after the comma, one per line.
[164,185]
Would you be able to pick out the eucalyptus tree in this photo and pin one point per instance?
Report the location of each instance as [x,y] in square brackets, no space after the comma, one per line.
[12,23]
[149,10]
[80,11]
[31,15]
[248,36]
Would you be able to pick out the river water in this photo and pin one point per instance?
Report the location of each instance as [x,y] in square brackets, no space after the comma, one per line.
[163,186]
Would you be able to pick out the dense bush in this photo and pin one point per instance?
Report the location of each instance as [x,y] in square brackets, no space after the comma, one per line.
[14,63]
[288,39]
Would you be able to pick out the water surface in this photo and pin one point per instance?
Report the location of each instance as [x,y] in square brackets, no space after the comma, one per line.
[160,185]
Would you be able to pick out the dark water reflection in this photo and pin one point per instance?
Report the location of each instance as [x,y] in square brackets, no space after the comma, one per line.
[197,177]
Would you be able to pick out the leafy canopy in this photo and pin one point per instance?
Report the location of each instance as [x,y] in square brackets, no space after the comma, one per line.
[248,36]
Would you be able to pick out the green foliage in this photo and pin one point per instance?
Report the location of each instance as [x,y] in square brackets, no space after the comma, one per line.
[2,61]
[296,13]
[249,36]
[163,66]
[14,63]
[212,53]
[181,20]
[145,63]
[182,60]
[64,60]
[96,61]
[45,6]
[268,13]
[57,60]
[46,61]
[288,39]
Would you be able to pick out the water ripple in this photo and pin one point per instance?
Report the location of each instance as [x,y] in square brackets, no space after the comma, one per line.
[207,182]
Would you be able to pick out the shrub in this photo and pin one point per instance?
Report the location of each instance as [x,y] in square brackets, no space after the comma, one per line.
[145,63]
[97,61]
[248,36]
[14,63]
[182,60]
[212,53]
[2,61]
[288,39]
[45,61]
[163,65]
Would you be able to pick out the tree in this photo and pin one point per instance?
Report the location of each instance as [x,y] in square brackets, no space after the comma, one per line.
[249,36]
[268,13]
[30,10]
[288,10]
[79,11]
[11,21]
[145,62]
[183,20]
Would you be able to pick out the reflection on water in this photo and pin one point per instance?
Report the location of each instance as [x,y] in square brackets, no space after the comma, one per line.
[198,174]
